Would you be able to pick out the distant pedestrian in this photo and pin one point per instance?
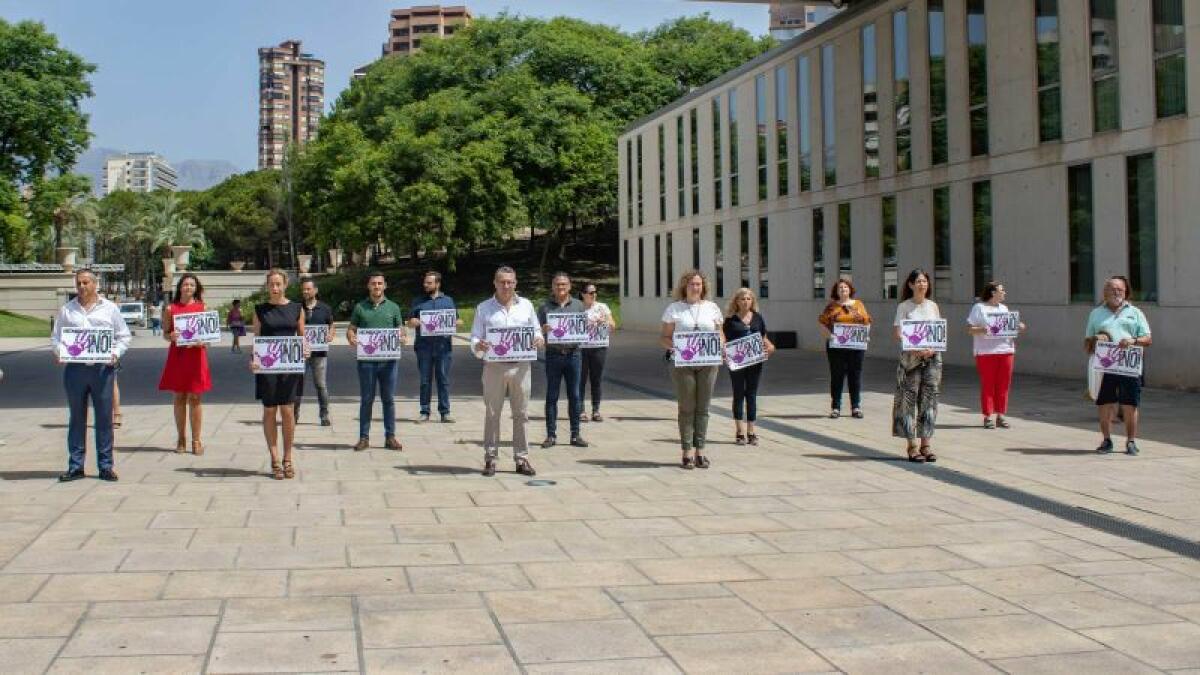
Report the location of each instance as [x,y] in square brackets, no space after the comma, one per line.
[692,311]
[316,313]
[278,317]
[845,365]
[564,364]
[156,314]
[993,355]
[186,372]
[742,318]
[919,373]
[237,325]
[433,351]
[594,356]
[376,311]
[1116,320]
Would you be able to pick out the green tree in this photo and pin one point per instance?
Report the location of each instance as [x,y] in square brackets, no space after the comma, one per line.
[169,225]
[57,207]
[240,216]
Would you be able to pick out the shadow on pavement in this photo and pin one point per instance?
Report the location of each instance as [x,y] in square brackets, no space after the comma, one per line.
[853,458]
[627,464]
[222,473]
[432,469]
[1050,451]
[28,475]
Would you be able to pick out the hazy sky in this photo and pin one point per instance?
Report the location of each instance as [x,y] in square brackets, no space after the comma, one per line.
[181,77]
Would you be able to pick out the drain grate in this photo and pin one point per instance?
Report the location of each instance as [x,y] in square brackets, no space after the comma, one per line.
[1095,520]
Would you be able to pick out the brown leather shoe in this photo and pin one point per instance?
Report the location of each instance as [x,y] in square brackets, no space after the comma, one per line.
[393,444]
[361,445]
[525,468]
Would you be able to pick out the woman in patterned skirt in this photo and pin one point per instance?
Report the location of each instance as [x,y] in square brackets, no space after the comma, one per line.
[919,375]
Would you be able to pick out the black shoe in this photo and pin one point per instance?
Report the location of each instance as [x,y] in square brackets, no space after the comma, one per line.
[1131,448]
[1106,447]
[423,418]
[525,468]
[489,467]
[325,422]
[549,442]
[579,442]
[446,419]
[108,475]
[71,475]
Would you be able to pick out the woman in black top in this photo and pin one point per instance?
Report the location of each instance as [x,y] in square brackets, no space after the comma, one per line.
[742,319]
[278,317]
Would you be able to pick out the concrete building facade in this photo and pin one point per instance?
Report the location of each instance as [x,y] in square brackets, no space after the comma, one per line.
[410,25]
[1046,144]
[790,19]
[291,100]
[138,172]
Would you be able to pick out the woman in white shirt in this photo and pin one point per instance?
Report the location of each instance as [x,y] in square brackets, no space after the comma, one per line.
[692,311]
[993,355]
[919,375]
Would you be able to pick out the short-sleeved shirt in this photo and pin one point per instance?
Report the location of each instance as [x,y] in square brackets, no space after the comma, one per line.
[429,303]
[735,328]
[367,314]
[549,305]
[982,344]
[911,311]
[703,315]
[320,314]
[1127,322]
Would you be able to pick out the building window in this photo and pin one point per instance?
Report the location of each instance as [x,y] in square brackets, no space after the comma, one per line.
[717,154]
[870,103]
[887,242]
[694,144]
[901,101]
[1048,71]
[719,261]
[845,242]
[670,264]
[695,248]
[977,76]
[733,149]
[804,113]
[662,174]
[764,286]
[941,240]
[760,133]
[781,130]
[1106,95]
[625,267]
[679,163]
[828,119]
[1079,233]
[981,217]
[818,253]
[1170,59]
[744,252]
[1143,228]
[629,201]
[640,206]
[640,264]
[657,266]
[938,136]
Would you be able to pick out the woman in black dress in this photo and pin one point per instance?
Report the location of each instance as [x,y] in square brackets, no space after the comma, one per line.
[278,317]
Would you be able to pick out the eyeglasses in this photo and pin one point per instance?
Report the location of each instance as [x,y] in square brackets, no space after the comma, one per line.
[589,292]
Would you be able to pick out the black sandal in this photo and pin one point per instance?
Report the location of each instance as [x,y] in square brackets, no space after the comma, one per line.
[927,454]
[702,461]
[687,462]
[740,439]
[752,439]
[914,455]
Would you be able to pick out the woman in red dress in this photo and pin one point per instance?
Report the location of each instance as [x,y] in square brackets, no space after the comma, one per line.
[186,371]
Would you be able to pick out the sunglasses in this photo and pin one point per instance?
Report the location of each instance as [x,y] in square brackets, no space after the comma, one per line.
[589,292]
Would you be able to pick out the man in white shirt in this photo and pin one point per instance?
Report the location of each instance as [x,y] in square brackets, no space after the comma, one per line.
[504,379]
[83,380]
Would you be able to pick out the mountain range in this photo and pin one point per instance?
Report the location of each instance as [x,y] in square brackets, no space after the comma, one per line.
[194,174]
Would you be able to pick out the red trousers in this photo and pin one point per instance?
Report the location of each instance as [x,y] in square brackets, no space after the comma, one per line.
[995,376]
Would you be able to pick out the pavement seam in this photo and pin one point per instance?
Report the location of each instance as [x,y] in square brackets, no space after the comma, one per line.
[512,652]
[356,608]
[212,641]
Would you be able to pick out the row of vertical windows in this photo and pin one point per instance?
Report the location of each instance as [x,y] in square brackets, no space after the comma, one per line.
[760,133]
[679,163]
[828,125]
[662,174]
[781,130]
[733,148]
[903,93]
[870,103]
[663,247]
[977,76]
[939,138]
[695,157]
[981,232]
[1049,78]
[804,114]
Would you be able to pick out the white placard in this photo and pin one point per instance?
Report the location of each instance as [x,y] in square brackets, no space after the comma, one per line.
[197,328]
[279,355]
[850,336]
[697,348]
[317,337]
[1002,324]
[1110,357]
[439,322]
[85,345]
[597,335]
[919,334]
[745,351]
[378,344]
[517,343]
[567,328]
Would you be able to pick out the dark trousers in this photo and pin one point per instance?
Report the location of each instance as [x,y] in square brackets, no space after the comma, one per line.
[591,373]
[383,375]
[745,392]
[82,381]
[845,364]
[434,361]
[563,366]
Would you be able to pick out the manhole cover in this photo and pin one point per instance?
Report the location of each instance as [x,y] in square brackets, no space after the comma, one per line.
[540,483]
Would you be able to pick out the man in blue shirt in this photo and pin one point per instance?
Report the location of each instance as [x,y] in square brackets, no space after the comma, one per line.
[1118,321]
[433,351]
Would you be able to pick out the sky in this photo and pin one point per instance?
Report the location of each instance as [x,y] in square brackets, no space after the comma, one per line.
[180,77]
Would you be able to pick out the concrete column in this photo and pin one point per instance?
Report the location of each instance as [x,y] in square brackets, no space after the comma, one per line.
[705,149]
[622,186]
[885,77]
[1191,19]
[867,236]
[793,125]
[817,128]
[1012,76]
[790,254]
[1177,174]
[1109,207]
[848,106]
[1020,198]
[957,82]
[1135,47]
[914,232]
[1074,44]
[747,158]
[918,70]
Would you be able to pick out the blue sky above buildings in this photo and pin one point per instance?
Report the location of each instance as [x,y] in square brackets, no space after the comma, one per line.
[180,78]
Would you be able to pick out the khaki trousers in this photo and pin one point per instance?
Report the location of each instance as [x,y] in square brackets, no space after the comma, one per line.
[693,393]
[500,381]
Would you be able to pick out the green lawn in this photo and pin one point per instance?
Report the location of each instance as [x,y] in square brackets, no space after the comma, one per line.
[21,326]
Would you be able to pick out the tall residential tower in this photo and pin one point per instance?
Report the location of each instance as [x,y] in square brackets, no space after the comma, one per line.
[291,99]
[410,25]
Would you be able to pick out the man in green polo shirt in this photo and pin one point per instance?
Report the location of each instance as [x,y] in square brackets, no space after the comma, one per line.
[376,311]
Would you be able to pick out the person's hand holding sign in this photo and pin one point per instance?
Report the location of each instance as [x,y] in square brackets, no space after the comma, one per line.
[483,346]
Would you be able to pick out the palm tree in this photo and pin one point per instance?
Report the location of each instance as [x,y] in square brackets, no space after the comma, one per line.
[75,219]
[131,239]
[169,226]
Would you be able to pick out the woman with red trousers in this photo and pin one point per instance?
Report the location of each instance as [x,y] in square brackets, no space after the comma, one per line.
[993,356]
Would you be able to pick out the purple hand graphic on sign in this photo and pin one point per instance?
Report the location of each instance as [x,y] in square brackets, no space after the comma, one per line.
[188,328]
[271,355]
[79,344]
[918,335]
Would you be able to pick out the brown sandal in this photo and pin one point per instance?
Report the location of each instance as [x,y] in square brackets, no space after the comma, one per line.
[915,455]
[289,471]
[277,470]
[927,454]
[180,446]
[197,448]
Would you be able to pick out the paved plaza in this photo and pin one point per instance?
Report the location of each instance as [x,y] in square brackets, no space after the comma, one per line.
[820,550]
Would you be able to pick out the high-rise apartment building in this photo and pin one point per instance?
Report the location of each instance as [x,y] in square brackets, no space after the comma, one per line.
[789,19]
[138,172]
[291,99]
[412,24]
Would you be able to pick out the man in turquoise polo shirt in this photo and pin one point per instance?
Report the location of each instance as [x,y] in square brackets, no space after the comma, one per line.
[376,311]
[1118,321]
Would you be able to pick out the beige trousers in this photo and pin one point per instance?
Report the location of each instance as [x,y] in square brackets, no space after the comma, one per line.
[500,381]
